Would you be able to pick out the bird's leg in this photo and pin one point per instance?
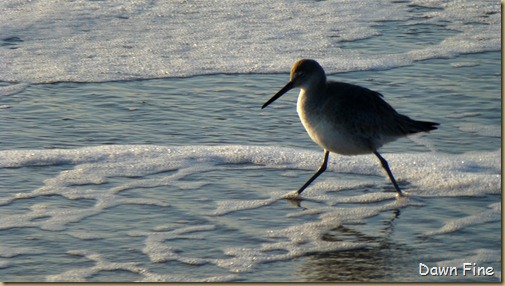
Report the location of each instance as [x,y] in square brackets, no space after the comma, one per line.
[385,165]
[319,172]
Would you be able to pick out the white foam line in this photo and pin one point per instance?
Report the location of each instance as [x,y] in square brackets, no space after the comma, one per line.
[159,252]
[492,215]
[481,255]
[430,174]
[229,206]
[12,89]
[83,274]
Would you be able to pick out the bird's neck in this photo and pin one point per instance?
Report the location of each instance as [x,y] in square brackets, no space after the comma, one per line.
[314,89]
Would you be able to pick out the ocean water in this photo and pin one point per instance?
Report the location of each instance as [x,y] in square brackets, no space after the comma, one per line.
[133,146]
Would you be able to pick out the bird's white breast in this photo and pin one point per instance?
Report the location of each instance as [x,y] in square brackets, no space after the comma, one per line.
[325,131]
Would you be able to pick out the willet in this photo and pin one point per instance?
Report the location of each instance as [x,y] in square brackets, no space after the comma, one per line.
[344,118]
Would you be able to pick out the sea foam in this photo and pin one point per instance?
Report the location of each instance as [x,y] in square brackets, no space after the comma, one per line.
[101,175]
[95,41]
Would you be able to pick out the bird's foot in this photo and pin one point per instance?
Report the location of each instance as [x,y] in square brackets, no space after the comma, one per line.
[292,196]
[401,195]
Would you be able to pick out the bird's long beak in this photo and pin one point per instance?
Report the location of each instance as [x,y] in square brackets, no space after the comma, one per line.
[285,89]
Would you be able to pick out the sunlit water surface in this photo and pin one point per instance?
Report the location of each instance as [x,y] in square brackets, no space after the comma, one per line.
[183,179]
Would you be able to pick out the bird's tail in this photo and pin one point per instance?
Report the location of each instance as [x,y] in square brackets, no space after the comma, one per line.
[423,126]
[411,126]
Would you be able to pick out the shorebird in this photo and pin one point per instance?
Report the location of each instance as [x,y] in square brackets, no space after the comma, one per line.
[345,118]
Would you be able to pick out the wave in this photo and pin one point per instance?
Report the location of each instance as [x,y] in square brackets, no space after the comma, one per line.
[95,41]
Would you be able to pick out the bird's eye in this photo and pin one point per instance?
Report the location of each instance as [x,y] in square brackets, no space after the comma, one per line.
[301,74]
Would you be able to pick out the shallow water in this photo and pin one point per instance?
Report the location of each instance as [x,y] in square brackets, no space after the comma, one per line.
[190,172]
[183,179]
[224,109]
